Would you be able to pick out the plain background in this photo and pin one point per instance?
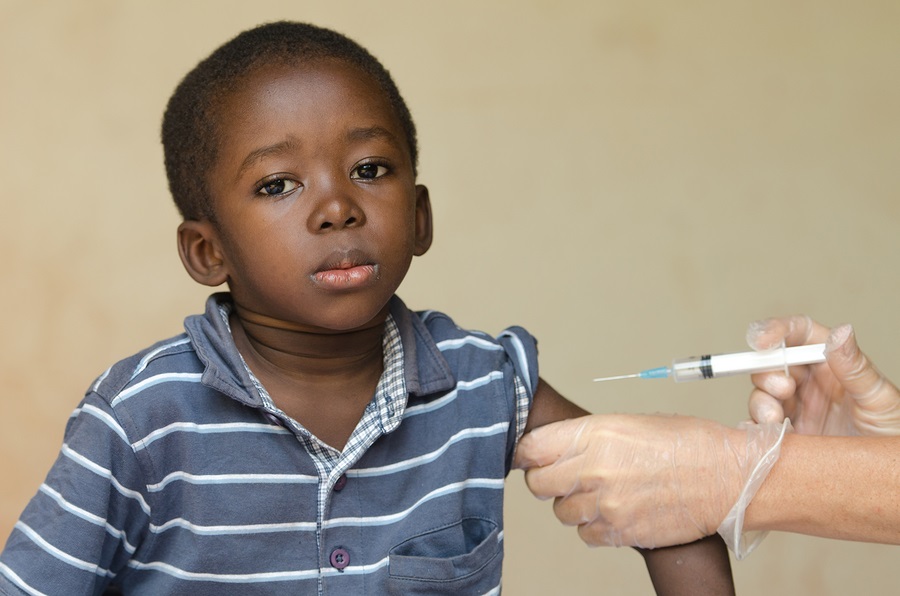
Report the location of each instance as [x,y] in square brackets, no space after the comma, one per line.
[630,180]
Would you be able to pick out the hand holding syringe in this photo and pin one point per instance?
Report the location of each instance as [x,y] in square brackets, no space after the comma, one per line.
[712,366]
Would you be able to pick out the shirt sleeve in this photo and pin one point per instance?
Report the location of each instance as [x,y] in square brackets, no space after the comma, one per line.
[521,348]
[88,516]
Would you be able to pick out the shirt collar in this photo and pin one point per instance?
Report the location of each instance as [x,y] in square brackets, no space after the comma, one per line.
[425,370]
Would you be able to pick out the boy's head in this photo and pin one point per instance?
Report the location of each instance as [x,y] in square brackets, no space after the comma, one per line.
[292,158]
[191,129]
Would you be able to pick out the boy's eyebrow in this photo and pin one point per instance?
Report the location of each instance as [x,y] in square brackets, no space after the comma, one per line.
[370,132]
[363,133]
[258,154]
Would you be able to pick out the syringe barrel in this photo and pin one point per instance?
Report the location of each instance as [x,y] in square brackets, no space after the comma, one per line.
[693,368]
[697,368]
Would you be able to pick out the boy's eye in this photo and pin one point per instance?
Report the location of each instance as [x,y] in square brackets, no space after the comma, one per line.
[277,187]
[368,171]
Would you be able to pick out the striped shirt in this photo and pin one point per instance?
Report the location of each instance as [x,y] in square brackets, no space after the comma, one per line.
[178,474]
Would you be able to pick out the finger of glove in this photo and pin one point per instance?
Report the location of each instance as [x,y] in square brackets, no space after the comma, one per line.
[598,533]
[561,478]
[547,444]
[640,533]
[578,508]
[777,384]
[795,330]
[765,408]
[610,526]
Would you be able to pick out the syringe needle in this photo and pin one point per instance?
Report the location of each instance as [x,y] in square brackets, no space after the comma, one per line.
[660,372]
[634,376]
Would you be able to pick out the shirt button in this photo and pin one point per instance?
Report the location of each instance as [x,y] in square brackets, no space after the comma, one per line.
[340,483]
[340,558]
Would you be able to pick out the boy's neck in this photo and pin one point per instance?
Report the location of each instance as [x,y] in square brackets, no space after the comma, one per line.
[305,355]
[324,381]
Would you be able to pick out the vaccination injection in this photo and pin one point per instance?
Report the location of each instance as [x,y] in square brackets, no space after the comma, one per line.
[713,366]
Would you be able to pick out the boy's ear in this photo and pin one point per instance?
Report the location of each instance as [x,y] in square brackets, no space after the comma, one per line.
[200,252]
[424,226]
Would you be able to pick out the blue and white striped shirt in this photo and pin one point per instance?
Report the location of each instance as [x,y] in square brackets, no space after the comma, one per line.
[179,475]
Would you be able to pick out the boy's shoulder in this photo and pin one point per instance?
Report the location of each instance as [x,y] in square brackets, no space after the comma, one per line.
[457,344]
[442,324]
[204,346]
[173,356]
[439,331]
[445,331]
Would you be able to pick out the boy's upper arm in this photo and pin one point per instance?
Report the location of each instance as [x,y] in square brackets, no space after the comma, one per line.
[88,516]
[549,406]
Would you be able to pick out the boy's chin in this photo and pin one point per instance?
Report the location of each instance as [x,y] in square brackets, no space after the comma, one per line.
[358,319]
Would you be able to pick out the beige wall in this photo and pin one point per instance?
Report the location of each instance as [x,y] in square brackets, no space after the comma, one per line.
[632,181]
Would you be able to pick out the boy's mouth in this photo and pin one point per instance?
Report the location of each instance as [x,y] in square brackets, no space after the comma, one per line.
[345,269]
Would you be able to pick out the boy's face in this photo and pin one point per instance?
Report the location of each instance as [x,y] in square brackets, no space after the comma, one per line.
[318,214]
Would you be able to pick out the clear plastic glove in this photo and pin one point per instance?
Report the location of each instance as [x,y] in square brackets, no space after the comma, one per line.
[846,395]
[649,480]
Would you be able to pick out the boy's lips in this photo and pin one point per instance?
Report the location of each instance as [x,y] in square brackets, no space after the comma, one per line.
[344,270]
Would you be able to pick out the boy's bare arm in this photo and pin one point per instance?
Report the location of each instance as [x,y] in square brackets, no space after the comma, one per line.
[701,567]
[549,406]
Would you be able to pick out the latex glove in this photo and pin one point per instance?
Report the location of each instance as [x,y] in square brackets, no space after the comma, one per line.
[648,480]
[846,395]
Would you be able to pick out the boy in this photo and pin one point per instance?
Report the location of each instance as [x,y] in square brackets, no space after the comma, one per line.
[308,433]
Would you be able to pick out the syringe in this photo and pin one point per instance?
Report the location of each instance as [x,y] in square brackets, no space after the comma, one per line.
[712,366]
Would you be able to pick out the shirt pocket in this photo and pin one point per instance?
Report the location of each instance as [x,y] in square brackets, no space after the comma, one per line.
[463,557]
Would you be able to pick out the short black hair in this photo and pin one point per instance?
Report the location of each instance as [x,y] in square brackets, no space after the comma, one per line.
[190,129]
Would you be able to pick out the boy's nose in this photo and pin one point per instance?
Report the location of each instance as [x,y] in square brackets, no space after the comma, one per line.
[336,213]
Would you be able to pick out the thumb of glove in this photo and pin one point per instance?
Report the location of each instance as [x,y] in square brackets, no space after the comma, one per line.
[851,367]
[874,406]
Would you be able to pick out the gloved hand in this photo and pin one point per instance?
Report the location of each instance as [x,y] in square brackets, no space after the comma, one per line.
[846,395]
[649,480]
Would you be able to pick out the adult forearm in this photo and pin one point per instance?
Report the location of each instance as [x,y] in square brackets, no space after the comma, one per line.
[834,487]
